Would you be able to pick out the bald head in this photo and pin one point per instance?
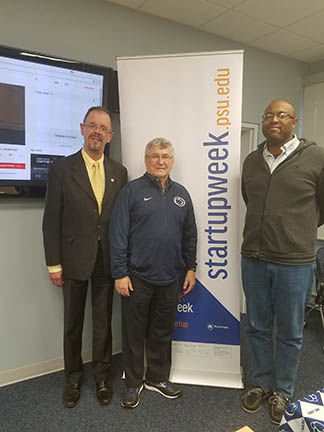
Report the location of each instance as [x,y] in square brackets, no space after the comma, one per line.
[289,107]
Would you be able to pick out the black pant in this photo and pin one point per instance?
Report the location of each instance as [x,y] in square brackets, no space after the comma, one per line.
[75,294]
[148,314]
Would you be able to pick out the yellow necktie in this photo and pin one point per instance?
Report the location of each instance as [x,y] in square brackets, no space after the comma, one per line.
[97,185]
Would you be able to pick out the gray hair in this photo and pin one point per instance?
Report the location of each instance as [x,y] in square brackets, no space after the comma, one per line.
[162,143]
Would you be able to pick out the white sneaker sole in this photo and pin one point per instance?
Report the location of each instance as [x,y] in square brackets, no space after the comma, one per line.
[151,388]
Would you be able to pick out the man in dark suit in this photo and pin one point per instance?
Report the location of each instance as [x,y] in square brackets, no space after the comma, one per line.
[80,193]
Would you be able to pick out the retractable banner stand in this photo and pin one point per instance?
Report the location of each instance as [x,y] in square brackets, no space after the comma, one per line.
[194,100]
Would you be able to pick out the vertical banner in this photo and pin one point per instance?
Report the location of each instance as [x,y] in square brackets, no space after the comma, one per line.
[194,100]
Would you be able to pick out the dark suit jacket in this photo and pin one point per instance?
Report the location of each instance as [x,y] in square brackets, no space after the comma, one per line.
[71,223]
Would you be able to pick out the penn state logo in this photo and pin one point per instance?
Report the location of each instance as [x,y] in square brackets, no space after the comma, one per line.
[291,409]
[179,201]
[317,426]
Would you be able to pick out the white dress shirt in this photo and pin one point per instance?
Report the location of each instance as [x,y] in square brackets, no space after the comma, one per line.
[286,149]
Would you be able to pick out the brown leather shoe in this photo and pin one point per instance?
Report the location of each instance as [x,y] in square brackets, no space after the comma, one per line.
[278,404]
[71,395]
[104,392]
[253,399]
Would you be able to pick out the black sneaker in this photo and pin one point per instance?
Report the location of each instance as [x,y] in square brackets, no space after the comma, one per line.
[253,399]
[165,388]
[278,405]
[131,397]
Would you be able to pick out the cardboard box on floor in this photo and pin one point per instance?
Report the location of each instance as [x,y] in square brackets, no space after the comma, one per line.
[244,429]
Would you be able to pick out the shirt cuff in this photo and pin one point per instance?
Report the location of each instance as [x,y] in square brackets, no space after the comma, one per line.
[55,268]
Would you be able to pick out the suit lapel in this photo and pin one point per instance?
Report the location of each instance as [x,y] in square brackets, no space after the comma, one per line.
[110,181]
[80,174]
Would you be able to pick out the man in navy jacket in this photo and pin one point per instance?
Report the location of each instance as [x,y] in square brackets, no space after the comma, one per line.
[153,239]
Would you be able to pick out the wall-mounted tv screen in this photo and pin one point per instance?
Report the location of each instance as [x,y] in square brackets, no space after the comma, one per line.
[42,102]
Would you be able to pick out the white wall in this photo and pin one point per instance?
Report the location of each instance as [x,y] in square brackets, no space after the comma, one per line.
[94,31]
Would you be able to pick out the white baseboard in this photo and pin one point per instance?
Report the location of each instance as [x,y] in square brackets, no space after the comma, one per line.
[13,376]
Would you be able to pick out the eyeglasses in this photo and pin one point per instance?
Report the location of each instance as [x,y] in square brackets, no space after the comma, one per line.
[93,126]
[280,116]
[156,157]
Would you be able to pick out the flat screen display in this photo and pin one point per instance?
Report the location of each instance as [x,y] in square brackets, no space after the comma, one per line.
[42,102]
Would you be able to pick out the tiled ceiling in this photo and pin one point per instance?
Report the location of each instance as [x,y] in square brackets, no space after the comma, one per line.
[293,28]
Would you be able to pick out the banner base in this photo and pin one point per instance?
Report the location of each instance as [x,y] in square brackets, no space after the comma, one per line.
[206,364]
[207,378]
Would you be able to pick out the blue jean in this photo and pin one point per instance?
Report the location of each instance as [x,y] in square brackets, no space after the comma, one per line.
[276,293]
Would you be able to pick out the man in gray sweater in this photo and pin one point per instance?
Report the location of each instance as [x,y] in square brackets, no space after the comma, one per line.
[283,188]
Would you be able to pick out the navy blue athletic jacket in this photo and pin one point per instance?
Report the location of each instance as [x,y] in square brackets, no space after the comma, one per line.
[153,233]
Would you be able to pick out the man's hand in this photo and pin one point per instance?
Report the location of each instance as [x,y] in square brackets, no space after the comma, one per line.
[124,286]
[189,282]
[57,278]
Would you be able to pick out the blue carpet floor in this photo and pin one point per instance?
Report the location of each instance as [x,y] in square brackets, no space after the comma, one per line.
[36,405]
